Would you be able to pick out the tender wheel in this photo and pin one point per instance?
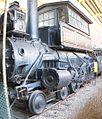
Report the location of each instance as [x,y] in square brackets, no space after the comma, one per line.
[37,102]
[63,93]
[74,87]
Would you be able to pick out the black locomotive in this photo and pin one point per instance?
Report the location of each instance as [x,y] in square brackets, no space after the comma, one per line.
[47,62]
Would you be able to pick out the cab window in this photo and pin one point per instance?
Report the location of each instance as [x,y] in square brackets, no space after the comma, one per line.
[47,19]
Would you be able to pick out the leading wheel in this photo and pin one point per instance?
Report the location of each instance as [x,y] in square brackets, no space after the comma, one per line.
[37,102]
[63,93]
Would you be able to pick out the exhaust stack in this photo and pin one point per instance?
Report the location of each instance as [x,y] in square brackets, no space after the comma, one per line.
[32,18]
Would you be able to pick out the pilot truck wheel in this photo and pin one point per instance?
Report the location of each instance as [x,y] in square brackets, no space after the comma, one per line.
[37,102]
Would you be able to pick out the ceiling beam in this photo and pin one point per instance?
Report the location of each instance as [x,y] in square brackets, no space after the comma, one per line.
[81,1]
[92,7]
[93,10]
[98,14]
[96,4]
[87,8]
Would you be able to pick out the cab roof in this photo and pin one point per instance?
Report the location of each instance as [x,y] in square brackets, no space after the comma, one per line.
[54,4]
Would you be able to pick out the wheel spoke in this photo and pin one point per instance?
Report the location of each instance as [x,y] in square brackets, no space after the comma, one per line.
[37,102]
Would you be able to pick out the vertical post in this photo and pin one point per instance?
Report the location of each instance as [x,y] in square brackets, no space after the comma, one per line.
[4,59]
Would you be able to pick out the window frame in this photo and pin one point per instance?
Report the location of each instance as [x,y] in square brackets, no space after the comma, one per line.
[47,20]
[81,18]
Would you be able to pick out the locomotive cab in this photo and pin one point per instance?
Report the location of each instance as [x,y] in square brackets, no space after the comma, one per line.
[65,26]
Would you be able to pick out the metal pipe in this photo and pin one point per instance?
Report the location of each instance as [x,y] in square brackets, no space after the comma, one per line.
[32,19]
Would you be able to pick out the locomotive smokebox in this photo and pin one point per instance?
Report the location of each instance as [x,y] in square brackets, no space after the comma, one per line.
[32,19]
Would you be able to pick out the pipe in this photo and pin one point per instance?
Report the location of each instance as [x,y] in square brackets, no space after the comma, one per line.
[32,19]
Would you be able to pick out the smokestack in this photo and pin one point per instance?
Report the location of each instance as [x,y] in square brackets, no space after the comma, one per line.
[32,18]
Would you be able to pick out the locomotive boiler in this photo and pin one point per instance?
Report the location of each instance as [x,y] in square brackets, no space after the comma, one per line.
[40,66]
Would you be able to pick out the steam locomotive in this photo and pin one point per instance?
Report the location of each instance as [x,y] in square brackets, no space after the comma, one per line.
[47,62]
